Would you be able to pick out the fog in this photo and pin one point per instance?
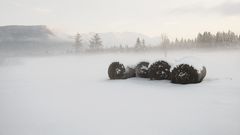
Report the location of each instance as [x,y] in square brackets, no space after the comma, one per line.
[71,94]
[104,67]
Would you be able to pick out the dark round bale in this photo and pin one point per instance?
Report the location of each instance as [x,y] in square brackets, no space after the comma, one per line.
[116,70]
[142,69]
[159,70]
[186,74]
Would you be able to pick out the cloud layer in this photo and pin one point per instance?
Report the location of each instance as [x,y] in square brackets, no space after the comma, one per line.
[227,8]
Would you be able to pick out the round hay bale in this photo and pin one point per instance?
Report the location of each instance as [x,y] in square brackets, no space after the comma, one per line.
[159,70]
[186,74]
[142,69]
[116,70]
[188,70]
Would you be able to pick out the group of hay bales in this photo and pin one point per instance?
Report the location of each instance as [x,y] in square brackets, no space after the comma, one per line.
[180,73]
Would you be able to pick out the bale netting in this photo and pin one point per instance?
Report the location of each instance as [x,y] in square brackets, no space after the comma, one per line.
[186,74]
[116,70]
[159,70]
[142,69]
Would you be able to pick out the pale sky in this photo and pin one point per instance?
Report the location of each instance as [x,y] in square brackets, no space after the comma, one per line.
[176,18]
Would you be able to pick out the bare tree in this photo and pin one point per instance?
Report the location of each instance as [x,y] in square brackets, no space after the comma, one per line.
[165,42]
[78,43]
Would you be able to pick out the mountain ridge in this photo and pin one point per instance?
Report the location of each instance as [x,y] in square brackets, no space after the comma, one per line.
[29,33]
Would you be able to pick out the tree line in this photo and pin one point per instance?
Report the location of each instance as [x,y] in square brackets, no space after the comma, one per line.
[202,40]
[209,40]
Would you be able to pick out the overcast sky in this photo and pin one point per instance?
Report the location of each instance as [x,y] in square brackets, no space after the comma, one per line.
[176,18]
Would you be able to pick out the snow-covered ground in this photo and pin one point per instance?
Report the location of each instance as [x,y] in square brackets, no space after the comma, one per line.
[72,95]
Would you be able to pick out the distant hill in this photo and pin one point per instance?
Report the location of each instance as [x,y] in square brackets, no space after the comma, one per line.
[17,33]
[41,33]
[30,40]
[39,39]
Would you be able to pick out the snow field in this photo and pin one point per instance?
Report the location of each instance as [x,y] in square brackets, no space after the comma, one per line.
[72,95]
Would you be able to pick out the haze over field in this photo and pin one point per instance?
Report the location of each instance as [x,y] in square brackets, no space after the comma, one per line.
[126,67]
[72,95]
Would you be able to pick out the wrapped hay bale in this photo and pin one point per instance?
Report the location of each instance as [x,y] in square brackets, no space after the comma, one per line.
[189,71]
[116,70]
[159,70]
[142,69]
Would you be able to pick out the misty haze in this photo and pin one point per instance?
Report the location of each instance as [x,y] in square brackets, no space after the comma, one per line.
[146,67]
